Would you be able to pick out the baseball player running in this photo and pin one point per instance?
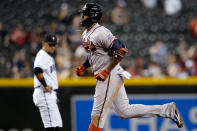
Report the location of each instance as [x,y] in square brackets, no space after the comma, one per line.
[105,52]
[46,85]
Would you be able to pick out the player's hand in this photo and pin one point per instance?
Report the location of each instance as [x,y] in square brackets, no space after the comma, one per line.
[58,100]
[102,75]
[80,70]
[48,89]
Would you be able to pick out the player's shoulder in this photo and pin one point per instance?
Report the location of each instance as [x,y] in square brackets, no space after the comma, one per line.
[42,59]
[101,32]
[103,29]
[41,54]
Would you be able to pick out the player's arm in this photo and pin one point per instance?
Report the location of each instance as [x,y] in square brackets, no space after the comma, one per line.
[119,51]
[39,74]
[81,69]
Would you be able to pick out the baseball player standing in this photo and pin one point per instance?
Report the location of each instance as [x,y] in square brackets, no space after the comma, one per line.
[105,52]
[46,84]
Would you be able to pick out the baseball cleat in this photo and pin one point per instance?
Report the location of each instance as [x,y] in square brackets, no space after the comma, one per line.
[177,116]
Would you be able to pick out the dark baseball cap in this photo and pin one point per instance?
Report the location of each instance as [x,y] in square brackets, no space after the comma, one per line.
[51,39]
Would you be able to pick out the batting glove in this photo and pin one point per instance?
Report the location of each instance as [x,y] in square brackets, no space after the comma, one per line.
[80,70]
[102,75]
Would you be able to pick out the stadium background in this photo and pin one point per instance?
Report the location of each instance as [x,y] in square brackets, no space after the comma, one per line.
[162,58]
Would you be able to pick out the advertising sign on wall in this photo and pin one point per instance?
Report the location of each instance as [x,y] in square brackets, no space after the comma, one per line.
[187,104]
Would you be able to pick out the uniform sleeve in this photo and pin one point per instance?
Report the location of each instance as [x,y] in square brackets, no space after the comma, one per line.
[106,38]
[40,61]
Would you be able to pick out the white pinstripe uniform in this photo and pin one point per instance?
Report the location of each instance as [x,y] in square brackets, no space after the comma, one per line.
[45,101]
[97,42]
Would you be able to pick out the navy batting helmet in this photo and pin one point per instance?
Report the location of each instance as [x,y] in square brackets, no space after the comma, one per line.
[94,13]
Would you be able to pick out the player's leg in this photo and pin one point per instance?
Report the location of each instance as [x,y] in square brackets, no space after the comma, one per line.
[101,98]
[54,110]
[39,99]
[125,110]
[92,127]
[49,111]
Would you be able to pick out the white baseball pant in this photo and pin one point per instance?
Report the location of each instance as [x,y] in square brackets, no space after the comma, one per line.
[47,104]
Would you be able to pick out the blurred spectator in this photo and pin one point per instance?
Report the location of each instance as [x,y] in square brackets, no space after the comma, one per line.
[35,39]
[182,48]
[139,71]
[64,15]
[172,67]
[182,70]
[36,35]
[182,73]
[149,3]
[19,36]
[7,48]
[154,70]
[191,60]
[74,33]
[15,72]
[137,67]
[171,7]
[195,62]
[27,71]
[7,42]
[6,54]
[54,28]
[19,64]
[132,69]
[63,58]
[3,33]
[182,51]
[158,53]
[120,15]
[193,26]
